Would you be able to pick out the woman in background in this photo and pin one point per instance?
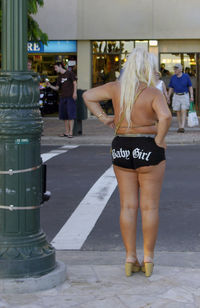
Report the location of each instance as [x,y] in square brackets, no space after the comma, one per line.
[160,85]
[141,120]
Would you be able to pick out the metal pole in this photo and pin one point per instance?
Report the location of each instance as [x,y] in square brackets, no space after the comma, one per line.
[24,250]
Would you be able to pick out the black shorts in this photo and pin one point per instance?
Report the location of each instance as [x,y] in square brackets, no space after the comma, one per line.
[135,152]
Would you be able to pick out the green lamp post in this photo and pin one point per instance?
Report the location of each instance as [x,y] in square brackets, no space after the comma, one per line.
[24,250]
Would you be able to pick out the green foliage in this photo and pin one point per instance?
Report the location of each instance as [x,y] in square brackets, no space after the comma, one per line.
[34,32]
[33,5]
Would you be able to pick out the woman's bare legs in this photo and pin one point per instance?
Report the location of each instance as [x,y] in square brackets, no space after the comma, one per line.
[128,189]
[150,181]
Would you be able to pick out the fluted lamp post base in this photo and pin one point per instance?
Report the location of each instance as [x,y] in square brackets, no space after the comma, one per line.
[24,250]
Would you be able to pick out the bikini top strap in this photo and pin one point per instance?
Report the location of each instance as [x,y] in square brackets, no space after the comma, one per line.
[124,112]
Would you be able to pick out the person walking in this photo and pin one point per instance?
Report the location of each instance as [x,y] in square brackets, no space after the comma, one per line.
[181,85]
[160,85]
[67,87]
[163,71]
[141,120]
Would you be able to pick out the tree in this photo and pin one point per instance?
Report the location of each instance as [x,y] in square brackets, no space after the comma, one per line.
[34,32]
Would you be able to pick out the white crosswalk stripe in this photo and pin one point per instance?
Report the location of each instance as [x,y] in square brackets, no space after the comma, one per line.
[77,228]
[69,146]
[53,153]
[49,155]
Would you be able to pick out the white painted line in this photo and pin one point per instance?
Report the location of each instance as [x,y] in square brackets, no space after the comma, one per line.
[49,155]
[77,228]
[53,153]
[68,146]
[59,151]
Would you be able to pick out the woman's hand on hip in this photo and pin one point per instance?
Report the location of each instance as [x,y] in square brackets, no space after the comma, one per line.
[109,121]
[161,144]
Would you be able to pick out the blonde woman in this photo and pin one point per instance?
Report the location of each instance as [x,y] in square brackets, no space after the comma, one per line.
[141,120]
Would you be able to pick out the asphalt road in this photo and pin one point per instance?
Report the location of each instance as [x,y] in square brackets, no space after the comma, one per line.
[71,174]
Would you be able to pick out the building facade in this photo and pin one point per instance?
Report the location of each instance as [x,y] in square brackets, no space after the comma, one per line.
[105,32]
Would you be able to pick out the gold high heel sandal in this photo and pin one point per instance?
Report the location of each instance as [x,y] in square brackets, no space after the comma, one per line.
[147,267]
[131,268]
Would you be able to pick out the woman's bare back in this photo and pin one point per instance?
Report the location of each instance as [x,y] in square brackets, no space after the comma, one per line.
[143,115]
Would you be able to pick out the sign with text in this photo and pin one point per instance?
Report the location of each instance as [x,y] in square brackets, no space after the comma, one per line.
[52,47]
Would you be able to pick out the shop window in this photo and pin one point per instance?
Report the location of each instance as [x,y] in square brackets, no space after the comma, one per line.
[113,46]
[142,44]
[49,59]
[190,64]
[108,59]
[44,64]
[99,46]
[168,60]
[127,47]
[106,68]
[123,59]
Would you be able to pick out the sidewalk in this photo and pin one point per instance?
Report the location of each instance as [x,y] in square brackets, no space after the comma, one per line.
[96,279]
[94,132]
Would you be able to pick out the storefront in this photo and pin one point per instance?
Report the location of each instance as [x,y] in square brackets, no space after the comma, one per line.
[44,57]
[108,57]
[102,61]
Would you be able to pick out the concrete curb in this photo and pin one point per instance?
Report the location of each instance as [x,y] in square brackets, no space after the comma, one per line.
[34,284]
[186,139]
[95,133]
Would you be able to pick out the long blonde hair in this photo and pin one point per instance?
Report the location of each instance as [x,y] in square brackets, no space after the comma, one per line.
[140,67]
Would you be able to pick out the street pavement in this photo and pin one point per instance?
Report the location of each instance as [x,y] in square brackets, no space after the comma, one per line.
[96,279]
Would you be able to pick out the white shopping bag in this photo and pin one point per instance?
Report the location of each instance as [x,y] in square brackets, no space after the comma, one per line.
[193,119]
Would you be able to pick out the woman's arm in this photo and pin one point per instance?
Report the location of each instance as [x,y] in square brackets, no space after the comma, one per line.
[92,98]
[164,119]
[165,92]
[171,90]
